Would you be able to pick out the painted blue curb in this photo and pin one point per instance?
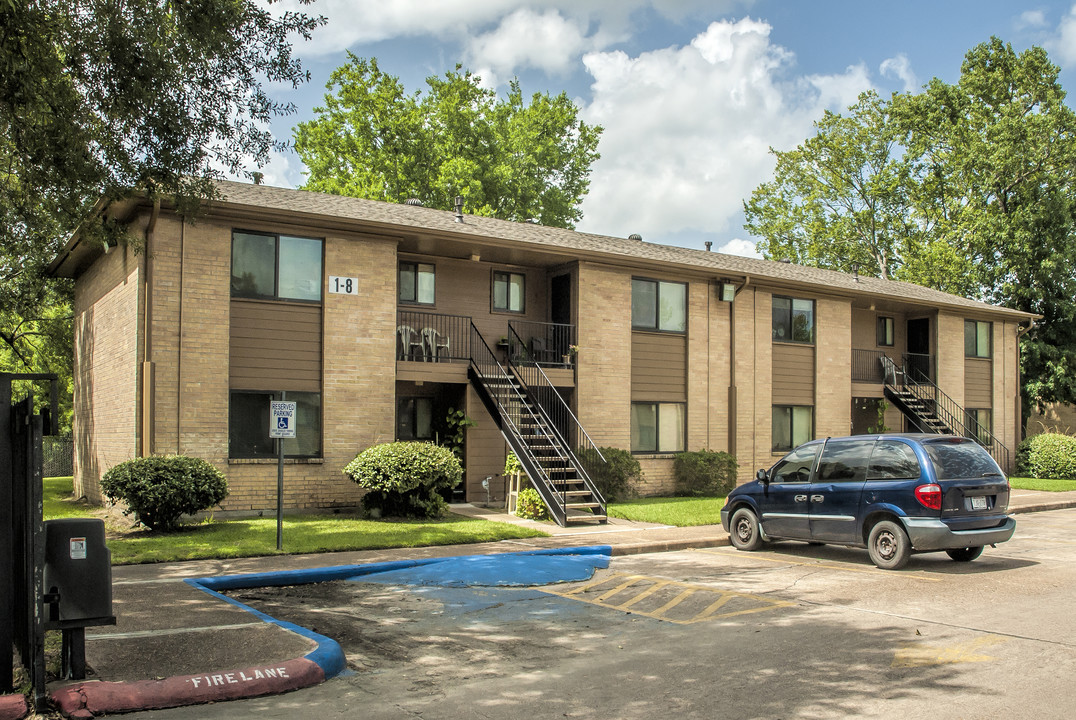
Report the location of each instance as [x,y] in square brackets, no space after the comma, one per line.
[328,654]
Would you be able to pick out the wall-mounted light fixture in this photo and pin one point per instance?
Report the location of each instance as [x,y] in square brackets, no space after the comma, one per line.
[728,292]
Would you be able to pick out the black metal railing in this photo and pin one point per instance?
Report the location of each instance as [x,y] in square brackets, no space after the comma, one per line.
[549,344]
[867,366]
[920,363]
[585,456]
[432,337]
[506,402]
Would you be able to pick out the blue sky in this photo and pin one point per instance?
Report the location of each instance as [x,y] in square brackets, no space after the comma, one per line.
[692,93]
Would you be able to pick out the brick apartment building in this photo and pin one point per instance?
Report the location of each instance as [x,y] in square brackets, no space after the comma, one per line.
[377,318]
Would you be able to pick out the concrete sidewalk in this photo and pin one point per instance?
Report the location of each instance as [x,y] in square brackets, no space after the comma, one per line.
[177,642]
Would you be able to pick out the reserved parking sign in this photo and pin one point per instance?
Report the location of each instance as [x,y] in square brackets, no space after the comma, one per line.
[281,419]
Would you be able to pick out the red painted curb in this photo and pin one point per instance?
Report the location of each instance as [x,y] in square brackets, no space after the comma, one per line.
[84,700]
[13,707]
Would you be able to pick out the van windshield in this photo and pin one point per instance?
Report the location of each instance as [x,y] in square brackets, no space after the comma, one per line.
[960,459]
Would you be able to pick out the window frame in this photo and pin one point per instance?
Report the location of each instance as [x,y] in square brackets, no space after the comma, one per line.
[416,267]
[278,395]
[792,427]
[414,400]
[508,275]
[972,330]
[656,327]
[658,450]
[976,414]
[886,333]
[276,297]
[791,320]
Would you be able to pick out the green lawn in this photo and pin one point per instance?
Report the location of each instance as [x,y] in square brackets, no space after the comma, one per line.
[302,533]
[1039,484]
[678,511]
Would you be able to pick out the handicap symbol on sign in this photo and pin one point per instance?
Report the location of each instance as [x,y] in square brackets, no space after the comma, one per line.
[282,423]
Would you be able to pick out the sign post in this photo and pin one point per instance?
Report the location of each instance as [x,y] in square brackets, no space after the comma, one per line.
[281,425]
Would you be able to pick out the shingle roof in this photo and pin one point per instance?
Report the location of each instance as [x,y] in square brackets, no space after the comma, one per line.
[442,222]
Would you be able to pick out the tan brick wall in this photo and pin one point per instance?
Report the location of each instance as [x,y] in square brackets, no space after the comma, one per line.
[950,356]
[106,368]
[1006,400]
[658,478]
[603,375]
[833,368]
[753,327]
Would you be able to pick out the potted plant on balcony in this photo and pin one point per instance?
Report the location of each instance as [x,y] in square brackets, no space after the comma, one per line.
[573,350]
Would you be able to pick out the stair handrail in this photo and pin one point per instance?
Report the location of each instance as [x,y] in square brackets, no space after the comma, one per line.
[957,417]
[523,367]
[487,366]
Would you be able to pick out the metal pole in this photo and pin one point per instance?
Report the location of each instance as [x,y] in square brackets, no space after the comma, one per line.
[280,494]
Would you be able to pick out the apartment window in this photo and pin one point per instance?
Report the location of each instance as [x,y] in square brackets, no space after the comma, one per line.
[276,267]
[414,418]
[509,291]
[793,320]
[657,305]
[248,425]
[793,425]
[977,338]
[885,331]
[979,423]
[416,283]
[657,427]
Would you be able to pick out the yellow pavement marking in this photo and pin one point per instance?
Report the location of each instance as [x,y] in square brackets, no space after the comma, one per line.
[817,564]
[598,592]
[926,655]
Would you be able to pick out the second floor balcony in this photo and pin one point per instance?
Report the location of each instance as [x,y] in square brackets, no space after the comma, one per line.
[867,365]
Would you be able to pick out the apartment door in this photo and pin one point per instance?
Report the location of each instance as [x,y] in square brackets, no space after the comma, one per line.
[919,346]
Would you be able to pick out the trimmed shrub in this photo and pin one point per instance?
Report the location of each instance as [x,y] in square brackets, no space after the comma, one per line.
[618,477]
[159,490]
[1048,455]
[530,506]
[405,479]
[704,473]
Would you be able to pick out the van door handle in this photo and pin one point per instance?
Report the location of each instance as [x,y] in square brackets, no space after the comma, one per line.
[800,498]
[817,498]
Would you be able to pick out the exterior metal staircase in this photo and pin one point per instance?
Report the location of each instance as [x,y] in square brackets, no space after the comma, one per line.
[549,460]
[931,410]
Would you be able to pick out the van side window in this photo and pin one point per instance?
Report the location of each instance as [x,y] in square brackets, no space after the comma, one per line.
[795,467]
[892,460]
[844,461]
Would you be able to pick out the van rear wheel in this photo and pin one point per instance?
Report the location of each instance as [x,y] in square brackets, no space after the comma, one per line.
[965,554]
[889,546]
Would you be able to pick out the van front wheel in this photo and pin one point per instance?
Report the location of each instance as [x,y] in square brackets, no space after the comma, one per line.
[889,546]
[745,534]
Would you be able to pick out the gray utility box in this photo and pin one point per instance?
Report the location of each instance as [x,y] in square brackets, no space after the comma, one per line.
[78,573]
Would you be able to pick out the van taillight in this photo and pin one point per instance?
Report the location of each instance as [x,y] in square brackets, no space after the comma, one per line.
[929,496]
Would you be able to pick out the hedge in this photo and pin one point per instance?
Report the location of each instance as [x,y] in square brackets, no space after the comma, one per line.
[405,479]
[704,473]
[159,490]
[1048,455]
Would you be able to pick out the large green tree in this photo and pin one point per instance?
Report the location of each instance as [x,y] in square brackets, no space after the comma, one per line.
[102,99]
[969,188]
[506,158]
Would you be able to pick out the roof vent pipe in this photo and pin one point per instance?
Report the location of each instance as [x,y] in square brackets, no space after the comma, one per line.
[459,208]
[635,236]
[787,261]
[413,201]
[708,245]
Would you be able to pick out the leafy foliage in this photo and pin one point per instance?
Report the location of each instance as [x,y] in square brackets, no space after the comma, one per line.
[512,465]
[618,477]
[456,424]
[530,506]
[506,159]
[704,473]
[160,489]
[968,188]
[100,101]
[405,479]
[1048,455]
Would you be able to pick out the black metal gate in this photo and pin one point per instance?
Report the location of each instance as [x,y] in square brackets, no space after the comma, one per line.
[22,530]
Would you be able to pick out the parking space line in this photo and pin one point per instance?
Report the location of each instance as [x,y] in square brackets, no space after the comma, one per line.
[674,602]
[632,579]
[843,568]
[643,595]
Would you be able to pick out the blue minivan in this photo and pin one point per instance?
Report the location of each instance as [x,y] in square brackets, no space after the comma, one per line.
[893,494]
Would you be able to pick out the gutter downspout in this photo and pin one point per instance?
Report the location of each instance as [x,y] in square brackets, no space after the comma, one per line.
[733,410]
[148,369]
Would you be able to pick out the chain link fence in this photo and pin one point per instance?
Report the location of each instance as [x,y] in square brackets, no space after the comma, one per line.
[59,456]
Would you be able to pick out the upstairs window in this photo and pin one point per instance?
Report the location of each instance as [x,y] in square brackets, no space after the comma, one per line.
[416,283]
[793,320]
[977,338]
[885,331]
[509,291]
[658,305]
[276,267]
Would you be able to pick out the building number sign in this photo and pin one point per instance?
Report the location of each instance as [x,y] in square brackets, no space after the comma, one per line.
[343,285]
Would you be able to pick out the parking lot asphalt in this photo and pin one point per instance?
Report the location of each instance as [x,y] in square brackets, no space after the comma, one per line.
[179,641]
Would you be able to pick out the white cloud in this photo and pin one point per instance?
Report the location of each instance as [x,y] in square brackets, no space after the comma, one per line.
[546,41]
[1031,19]
[1063,48]
[899,67]
[687,129]
[739,246]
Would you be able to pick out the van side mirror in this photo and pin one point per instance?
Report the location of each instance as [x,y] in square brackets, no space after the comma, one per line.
[763,477]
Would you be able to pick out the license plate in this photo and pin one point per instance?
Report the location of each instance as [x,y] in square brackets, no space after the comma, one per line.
[978,503]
